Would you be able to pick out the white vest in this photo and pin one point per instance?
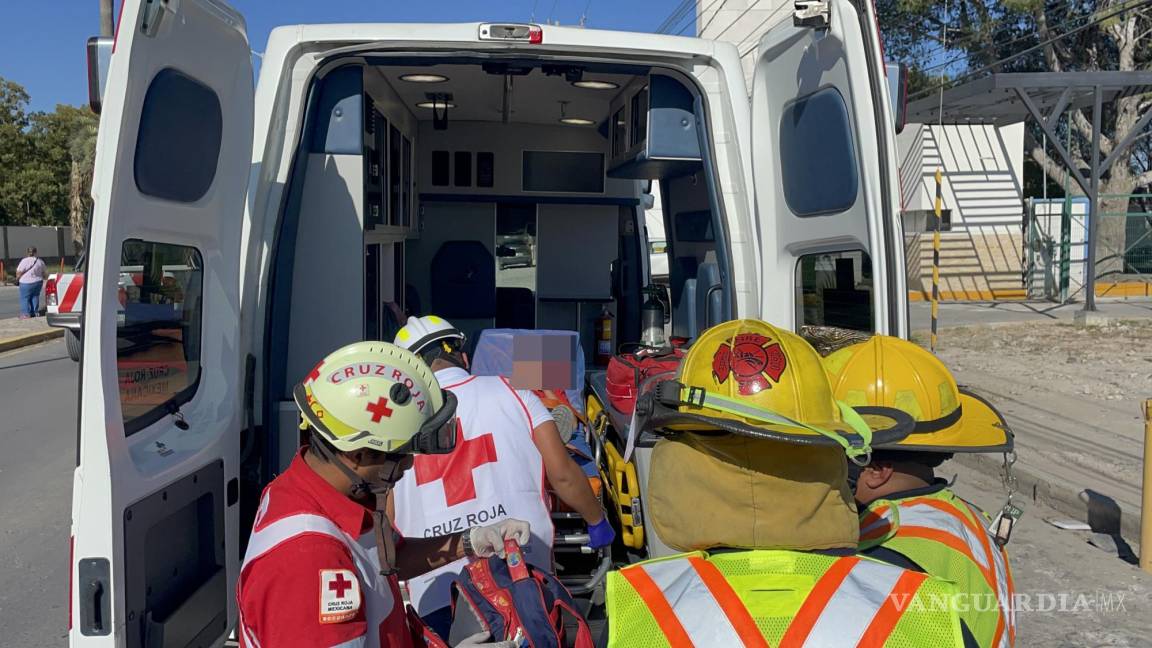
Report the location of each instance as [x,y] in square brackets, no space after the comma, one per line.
[378,602]
[494,473]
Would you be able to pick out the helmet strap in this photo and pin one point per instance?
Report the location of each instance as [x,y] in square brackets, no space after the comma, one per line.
[381,525]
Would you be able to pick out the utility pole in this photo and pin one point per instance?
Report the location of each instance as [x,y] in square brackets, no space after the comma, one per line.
[107,20]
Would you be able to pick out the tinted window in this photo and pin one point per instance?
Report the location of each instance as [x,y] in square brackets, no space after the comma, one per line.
[568,172]
[694,227]
[440,168]
[835,289]
[178,144]
[817,158]
[157,329]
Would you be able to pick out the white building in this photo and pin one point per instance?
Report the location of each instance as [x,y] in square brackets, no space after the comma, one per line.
[982,246]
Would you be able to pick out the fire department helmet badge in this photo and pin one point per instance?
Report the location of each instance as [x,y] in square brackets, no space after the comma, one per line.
[754,361]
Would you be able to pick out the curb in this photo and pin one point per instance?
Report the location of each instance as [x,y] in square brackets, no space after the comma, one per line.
[1034,488]
[8,344]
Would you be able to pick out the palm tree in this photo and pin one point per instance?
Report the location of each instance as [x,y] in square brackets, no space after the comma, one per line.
[82,150]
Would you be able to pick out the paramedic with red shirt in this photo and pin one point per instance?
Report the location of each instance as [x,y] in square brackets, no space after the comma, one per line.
[508,446]
[323,563]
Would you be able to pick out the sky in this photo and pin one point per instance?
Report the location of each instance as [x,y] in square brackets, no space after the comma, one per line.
[43,45]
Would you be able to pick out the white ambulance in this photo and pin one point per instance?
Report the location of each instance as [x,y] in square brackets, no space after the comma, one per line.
[382,168]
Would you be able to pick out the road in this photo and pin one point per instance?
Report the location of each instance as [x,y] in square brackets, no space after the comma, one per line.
[38,433]
[9,301]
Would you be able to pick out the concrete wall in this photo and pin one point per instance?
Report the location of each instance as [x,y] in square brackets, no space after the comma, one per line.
[981,256]
[51,244]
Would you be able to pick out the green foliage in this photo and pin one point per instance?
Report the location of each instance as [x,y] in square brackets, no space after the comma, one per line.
[37,151]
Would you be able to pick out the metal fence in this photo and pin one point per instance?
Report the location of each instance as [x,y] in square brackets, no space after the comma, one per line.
[1055,247]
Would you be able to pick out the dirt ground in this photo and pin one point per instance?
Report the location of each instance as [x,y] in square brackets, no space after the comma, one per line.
[1071,594]
[1072,396]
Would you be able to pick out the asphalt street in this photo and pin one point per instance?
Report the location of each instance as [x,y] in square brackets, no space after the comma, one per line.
[38,433]
[10,301]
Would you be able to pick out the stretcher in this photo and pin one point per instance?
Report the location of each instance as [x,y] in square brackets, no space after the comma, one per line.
[579,567]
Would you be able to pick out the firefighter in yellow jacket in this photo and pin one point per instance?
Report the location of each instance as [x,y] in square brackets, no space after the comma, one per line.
[749,479]
[909,517]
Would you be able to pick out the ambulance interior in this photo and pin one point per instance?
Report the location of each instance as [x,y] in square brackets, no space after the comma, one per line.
[495,193]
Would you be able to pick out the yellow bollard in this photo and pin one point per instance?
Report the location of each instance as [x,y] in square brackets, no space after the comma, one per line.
[1146,494]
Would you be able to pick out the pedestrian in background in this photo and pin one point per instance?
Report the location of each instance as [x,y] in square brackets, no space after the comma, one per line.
[30,274]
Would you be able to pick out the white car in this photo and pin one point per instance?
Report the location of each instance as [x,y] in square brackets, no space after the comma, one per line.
[369,168]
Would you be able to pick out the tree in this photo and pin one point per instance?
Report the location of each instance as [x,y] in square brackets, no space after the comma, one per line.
[45,158]
[14,149]
[1116,35]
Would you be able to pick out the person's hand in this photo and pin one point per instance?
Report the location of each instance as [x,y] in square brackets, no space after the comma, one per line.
[489,540]
[481,640]
[601,534]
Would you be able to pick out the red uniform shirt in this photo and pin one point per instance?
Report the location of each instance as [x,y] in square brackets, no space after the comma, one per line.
[309,588]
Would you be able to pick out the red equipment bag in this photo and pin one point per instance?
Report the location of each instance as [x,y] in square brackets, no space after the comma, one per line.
[632,374]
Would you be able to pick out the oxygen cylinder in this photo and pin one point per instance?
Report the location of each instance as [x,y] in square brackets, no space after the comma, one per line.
[652,319]
[604,346]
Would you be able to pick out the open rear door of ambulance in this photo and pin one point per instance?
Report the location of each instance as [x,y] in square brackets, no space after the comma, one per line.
[154,514]
[824,172]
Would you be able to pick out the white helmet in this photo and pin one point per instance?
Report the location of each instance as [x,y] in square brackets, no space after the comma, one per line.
[376,395]
[420,332]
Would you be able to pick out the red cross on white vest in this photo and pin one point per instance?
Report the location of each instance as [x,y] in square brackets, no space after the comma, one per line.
[339,585]
[455,468]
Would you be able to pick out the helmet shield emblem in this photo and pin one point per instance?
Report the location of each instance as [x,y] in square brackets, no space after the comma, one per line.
[754,361]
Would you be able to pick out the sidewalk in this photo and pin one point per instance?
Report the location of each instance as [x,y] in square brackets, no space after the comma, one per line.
[16,333]
[969,313]
[1072,395]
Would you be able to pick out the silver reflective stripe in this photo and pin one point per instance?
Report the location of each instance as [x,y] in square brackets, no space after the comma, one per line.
[850,611]
[923,515]
[1000,565]
[695,607]
[358,642]
[264,540]
[887,520]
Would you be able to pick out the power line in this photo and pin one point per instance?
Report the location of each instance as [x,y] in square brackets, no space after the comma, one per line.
[1029,50]
[712,18]
[756,29]
[1019,39]
[694,16]
[676,16]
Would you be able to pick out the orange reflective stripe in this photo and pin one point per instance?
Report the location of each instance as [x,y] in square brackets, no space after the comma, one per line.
[873,516]
[814,605]
[989,573]
[876,533]
[944,538]
[890,612]
[658,605]
[733,607]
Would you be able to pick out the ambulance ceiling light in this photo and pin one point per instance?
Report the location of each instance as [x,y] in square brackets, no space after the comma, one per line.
[592,84]
[572,121]
[423,77]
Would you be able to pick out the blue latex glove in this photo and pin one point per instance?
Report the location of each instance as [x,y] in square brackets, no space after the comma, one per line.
[601,534]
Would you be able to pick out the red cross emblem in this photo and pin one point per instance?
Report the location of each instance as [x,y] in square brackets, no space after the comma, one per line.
[379,409]
[455,468]
[340,585]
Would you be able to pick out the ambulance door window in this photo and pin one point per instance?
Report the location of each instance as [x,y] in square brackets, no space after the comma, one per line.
[835,289]
[157,330]
[516,266]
